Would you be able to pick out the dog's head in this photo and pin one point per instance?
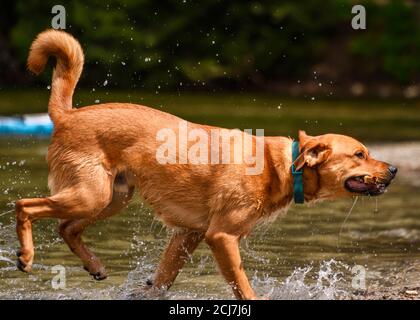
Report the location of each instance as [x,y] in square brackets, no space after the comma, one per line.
[341,166]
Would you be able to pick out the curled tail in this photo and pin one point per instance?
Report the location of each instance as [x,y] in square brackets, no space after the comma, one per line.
[69,55]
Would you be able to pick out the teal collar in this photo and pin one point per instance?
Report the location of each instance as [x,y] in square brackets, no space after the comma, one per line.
[297,175]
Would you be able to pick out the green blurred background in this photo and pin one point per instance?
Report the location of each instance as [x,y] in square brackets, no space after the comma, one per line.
[278,65]
[225,44]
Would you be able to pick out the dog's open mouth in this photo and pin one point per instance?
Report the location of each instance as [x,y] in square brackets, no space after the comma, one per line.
[365,185]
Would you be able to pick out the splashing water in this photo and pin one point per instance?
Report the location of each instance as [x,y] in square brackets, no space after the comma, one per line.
[323,283]
[307,283]
[136,284]
[6,212]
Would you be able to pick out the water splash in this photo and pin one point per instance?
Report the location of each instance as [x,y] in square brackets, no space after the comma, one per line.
[249,252]
[135,287]
[7,212]
[305,283]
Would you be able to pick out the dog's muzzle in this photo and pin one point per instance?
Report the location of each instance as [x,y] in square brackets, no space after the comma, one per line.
[368,185]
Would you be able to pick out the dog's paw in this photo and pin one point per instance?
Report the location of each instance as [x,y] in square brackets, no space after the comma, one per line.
[97,275]
[22,265]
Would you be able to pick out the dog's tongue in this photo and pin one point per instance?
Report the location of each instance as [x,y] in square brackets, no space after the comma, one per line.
[355,184]
[361,184]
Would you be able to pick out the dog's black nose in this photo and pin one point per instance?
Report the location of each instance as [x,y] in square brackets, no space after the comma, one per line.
[393,170]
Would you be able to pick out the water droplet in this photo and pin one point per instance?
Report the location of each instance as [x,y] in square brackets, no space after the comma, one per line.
[376,210]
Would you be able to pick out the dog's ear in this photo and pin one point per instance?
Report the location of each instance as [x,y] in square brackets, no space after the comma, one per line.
[303,137]
[312,153]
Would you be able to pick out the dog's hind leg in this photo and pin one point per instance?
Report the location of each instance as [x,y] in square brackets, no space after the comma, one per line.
[180,247]
[71,231]
[80,201]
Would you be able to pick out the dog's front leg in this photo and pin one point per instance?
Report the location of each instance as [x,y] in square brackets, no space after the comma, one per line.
[225,248]
[223,237]
[180,247]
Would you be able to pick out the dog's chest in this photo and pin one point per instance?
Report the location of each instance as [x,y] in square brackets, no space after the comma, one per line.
[273,212]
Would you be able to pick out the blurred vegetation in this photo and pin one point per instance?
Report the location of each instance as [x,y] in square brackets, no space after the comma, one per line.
[233,44]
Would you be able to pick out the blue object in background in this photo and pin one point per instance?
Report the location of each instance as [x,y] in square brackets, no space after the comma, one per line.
[34,124]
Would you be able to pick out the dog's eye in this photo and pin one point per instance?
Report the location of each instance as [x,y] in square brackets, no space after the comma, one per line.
[360,155]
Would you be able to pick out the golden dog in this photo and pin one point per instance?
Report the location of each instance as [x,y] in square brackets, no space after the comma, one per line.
[99,154]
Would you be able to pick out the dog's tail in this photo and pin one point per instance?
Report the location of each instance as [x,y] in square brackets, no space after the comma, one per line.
[69,55]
